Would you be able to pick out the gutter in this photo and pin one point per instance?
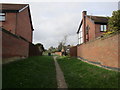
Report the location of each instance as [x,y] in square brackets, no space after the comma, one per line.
[23,8]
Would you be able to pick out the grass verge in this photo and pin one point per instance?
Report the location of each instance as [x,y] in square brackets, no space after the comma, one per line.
[79,74]
[33,72]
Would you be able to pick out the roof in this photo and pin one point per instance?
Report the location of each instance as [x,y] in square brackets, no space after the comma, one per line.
[80,26]
[98,19]
[12,7]
[15,8]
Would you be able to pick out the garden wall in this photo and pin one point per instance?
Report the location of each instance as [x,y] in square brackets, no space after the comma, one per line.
[73,51]
[58,53]
[104,50]
[13,46]
[16,47]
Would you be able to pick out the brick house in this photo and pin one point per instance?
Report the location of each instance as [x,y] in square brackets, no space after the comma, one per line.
[91,27]
[103,51]
[16,18]
[17,30]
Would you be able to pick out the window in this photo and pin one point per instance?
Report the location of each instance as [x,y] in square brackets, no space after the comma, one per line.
[2,16]
[80,37]
[103,28]
[87,28]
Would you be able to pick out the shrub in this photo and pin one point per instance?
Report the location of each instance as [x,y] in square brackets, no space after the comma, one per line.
[114,21]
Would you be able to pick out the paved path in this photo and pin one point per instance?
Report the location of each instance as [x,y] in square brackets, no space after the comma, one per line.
[59,75]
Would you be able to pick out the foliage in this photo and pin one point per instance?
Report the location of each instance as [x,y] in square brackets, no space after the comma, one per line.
[62,43]
[52,49]
[41,47]
[60,46]
[108,33]
[114,21]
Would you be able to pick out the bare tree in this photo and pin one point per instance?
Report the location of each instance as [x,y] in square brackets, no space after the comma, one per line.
[64,40]
[62,43]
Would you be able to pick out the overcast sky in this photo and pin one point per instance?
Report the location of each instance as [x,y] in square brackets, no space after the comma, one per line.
[53,20]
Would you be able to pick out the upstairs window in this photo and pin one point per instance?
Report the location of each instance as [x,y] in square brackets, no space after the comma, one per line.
[80,37]
[2,16]
[103,28]
[87,29]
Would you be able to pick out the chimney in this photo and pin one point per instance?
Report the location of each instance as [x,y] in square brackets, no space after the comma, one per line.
[84,13]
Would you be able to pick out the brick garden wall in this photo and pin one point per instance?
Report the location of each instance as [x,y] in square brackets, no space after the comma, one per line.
[13,46]
[73,51]
[58,53]
[104,51]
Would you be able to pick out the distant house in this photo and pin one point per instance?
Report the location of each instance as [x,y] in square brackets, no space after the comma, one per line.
[91,27]
[17,31]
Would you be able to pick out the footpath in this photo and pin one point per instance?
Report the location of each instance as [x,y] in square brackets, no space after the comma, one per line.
[59,75]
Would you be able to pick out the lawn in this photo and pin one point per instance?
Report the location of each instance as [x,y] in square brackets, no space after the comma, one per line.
[33,72]
[79,74]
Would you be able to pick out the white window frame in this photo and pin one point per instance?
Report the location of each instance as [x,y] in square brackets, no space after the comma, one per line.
[103,28]
[2,16]
[80,37]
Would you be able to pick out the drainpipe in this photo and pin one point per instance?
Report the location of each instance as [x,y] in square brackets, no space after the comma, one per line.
[16,24]
[84,13]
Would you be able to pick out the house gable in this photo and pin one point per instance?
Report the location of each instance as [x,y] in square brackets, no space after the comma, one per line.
[15,8]
[91,26]
[18,20]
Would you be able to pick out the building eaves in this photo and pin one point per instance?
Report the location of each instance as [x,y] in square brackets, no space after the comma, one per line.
[80,26]
[16,8]
[98,19]
[5,7]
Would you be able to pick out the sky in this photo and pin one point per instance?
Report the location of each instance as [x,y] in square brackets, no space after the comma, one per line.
[54,20]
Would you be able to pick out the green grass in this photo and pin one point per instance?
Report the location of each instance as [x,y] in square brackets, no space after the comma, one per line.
[33,72]
[79,74]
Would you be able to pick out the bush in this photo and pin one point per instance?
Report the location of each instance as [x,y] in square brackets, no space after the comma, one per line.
[114,21]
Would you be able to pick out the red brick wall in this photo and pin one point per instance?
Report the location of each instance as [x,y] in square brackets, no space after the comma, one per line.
[98,33]
[104,51]
[91,30]
[13,46]
[94,30]
[58,53]
[23,25]
[73,51]
[19,24]
[10,22]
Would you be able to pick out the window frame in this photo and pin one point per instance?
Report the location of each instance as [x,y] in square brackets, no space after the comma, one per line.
[103,28]
[80,37]
[2,14]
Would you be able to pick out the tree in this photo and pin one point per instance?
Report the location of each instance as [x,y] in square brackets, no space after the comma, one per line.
[52,49]
[40,46]
[62,43]
[60,46]
[114,21]
[64,40]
